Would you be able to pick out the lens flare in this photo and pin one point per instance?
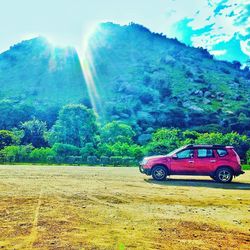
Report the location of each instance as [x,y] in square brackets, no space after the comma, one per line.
[89,72]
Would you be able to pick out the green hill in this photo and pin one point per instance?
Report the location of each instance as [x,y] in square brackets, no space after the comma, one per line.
[36,79]
[154,81]
[142,78]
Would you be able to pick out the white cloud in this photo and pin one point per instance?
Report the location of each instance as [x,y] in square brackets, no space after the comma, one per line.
[245,46]
[226,18]
[225,24]
[218,52]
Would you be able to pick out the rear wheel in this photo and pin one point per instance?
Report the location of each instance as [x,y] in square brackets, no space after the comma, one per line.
[159,173]
[224,175]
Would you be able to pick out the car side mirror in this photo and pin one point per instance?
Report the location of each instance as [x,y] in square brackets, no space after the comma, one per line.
[174,157]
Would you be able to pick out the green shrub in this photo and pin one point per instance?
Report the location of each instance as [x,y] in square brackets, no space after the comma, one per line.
[64,150]
[92,160]
[104,160]
[16,153]
[116,160]
[128,161]
[248,156]
[120,149]
[42,155]
[74,160]
[88,150]
[51,159]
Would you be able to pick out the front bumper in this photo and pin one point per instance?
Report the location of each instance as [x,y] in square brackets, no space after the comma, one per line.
[143,170]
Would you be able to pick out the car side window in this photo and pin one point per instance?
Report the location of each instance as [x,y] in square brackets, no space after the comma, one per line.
[221,152]
[205,153]
[185,154]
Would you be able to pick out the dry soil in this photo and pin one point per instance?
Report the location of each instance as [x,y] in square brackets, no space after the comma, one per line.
[119,208]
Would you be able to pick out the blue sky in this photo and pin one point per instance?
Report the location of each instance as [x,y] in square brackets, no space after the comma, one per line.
[221,26]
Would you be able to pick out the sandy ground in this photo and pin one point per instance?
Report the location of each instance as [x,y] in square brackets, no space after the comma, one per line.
[119,208]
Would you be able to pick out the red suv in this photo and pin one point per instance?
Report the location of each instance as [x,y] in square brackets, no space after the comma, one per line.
[219,162]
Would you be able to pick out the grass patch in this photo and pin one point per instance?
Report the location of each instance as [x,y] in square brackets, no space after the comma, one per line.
[246,167]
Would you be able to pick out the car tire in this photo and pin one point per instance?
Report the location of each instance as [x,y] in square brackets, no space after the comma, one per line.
[224,175]
[159,173]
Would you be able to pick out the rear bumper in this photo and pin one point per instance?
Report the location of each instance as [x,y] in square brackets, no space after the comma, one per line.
[144,170]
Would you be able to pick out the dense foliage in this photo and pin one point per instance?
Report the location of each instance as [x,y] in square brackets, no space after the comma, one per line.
[76,125]
[77,138]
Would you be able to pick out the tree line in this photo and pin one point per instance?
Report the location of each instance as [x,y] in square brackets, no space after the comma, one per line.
[78,138]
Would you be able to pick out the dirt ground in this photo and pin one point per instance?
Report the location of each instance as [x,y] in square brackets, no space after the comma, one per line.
[119,208]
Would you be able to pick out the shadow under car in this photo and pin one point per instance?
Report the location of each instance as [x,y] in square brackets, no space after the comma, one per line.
[200,183]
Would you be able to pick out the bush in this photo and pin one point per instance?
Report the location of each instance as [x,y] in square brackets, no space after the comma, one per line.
[16,153]
[42,155]
[74,160]
[64,150]
[88,150]
[116,160]
[128,161]
[92,160]
[51,159]
[104,160]
[121,149]
[248,156]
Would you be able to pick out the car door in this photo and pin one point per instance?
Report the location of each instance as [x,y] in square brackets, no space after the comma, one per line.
[183,162]
[204,161]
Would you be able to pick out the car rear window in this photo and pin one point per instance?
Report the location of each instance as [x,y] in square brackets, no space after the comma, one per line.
[205,153]
[221,152]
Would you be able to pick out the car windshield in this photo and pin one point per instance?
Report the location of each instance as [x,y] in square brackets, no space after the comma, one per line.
[175,151]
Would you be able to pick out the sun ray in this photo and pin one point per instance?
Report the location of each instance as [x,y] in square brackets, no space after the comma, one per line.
[89,72]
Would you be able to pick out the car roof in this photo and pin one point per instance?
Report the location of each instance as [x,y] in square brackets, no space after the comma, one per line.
[214,146]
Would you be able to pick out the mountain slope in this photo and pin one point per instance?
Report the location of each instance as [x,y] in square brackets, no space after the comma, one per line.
[36,72]
[142,78]
[155,81]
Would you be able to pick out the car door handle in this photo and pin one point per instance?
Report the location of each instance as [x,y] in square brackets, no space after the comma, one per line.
[191,161]
[212,160]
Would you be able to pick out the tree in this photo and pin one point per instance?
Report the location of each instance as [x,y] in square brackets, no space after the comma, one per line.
[76,125]
[117,132]
[13,113]
[240,142]
[121,149]
[7,138]
[34,133]
[165,140]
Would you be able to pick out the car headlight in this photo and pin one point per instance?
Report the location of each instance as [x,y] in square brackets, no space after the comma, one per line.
[144,161]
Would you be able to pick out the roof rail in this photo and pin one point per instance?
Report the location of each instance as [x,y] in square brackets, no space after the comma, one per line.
[205,145]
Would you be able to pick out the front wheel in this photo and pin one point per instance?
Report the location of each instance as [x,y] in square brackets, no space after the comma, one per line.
[224,175]
[159,173]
